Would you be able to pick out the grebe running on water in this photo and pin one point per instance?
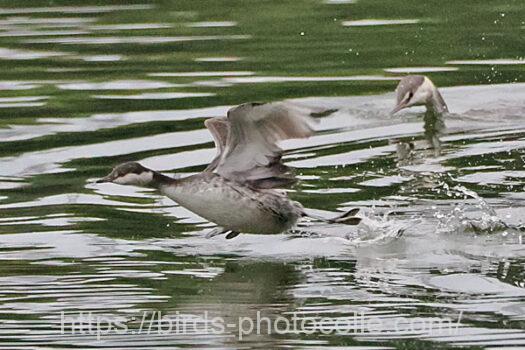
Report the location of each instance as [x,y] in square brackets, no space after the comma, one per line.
[238,190]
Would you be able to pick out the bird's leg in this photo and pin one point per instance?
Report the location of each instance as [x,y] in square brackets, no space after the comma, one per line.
[347,218]
[217,231]
[232,234]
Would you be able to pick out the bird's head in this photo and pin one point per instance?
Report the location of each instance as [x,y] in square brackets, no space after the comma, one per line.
[414,90]
[131,173]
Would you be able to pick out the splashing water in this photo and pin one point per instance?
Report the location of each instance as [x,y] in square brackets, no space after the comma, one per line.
[459,220]
[375,228]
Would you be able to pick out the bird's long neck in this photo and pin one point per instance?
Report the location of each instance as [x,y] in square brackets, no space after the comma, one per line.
[437,103]
[178,190]
[434,101]
[187,191]
[160,180]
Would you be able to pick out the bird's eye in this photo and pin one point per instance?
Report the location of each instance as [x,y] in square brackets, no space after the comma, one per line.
[410,95]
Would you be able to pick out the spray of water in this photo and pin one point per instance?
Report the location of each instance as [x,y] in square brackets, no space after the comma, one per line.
[458,219]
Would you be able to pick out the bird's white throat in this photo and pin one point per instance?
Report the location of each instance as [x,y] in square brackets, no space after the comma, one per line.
[142,179]
[431,96]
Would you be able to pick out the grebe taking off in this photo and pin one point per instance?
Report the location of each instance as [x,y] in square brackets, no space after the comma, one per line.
[238,189]
[419,90]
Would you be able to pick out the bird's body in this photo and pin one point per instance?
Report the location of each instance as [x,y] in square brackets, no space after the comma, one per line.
[232,205]
[239,189]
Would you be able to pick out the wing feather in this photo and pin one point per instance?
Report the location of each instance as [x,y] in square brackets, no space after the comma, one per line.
[251,153]
[219,128]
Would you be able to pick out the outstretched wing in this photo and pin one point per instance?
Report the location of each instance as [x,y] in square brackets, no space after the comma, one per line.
[219,128]
[251,153]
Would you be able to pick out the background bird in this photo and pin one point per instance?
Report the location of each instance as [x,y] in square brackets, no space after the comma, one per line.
[419,90]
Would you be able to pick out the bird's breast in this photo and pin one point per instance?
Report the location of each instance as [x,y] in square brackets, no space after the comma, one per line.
[234,206]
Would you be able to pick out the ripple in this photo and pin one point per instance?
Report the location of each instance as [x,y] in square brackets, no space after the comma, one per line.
[22,105]
[199,273]
[218,59]
[385,181]
[500,177]
[339,2]
[129,26]
[103,58]
[60,244]
[474,284]
[133,39]
[50,126]
[65,199]
[54,220]
[22,33]
[420,69]
[487,148]
[74,9]
[4,185]
[16,54]
[216,24]
[270,79]
[202,74]
[117,85]
[49,161]
[333,190]
[56,21]
[15,100]
[497,61]
[157,96]
[17,85]
[378,22]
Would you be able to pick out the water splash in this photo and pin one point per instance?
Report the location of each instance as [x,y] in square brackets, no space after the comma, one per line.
[375,228]
[458,219]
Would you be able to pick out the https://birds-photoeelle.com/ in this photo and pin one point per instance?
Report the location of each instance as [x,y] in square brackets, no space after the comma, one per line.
[240,190]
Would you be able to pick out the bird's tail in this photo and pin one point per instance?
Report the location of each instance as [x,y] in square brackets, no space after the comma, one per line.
[347,218]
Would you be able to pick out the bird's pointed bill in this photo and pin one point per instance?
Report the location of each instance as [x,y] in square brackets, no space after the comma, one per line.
[104,179]
[397,108]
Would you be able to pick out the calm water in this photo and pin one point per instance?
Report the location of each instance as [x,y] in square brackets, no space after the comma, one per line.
[437,262]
